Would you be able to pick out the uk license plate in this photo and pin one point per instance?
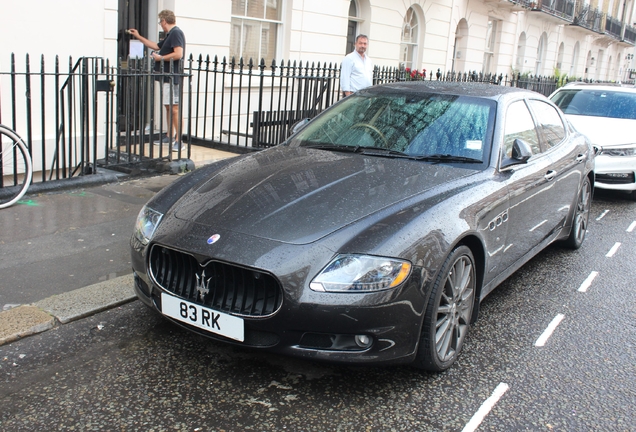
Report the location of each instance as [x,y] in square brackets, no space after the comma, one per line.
[207,319]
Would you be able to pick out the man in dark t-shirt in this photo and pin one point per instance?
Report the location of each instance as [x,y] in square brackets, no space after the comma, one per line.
[167,55]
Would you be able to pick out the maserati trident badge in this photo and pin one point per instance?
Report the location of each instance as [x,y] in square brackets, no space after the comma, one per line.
[203,285]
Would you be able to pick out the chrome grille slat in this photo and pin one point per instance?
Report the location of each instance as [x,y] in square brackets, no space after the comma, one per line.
[232,289]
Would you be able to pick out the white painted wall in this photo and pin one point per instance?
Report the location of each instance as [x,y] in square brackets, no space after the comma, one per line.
[61,27]
[312,30]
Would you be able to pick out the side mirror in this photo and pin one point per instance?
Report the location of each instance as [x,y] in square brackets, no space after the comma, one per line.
[521,152]
[299,125]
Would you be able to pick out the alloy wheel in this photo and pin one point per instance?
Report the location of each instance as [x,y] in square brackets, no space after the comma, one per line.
[455,309]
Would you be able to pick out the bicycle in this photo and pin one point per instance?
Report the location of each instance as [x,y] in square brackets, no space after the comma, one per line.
[16,170]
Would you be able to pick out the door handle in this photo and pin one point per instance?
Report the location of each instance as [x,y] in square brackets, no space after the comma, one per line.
[580,158]
[550,175]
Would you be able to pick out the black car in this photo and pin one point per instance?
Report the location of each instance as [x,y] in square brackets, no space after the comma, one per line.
[373,232]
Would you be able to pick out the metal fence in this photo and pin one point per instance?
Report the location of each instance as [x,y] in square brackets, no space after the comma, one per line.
[52,111]
[95,115]
[254,105]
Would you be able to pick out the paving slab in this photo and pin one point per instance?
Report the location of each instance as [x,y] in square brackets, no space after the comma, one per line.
[86,301]
[23,321]
[27,320]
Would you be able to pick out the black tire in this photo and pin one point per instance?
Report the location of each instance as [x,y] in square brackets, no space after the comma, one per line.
[15,167]
[449,312]
[581,217]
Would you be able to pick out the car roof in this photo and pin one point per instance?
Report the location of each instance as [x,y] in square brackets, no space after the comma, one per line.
[619,87]
[491,91]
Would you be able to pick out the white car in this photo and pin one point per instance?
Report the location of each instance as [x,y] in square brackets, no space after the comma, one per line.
[607,115]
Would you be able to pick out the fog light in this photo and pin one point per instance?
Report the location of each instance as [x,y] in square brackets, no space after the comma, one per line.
[363,341]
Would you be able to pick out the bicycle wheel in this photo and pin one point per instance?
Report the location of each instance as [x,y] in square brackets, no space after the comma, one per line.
[16,170]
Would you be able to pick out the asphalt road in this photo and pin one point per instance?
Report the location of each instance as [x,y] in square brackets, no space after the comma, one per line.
[129,369]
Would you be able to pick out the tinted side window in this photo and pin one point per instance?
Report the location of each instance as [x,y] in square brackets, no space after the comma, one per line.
[519,124]
[549,123]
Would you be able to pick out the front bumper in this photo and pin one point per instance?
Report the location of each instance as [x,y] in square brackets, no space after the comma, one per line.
[323,326]
[615,172]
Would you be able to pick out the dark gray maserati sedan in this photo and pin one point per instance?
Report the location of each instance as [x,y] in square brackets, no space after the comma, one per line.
[372,234]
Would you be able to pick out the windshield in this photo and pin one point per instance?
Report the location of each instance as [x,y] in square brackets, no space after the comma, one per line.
[440,128]
[597,103]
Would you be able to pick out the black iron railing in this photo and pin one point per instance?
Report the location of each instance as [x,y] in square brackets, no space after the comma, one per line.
[630,35]
[253,105]
[586,17]
[563,9]
[95,115]
[613,27]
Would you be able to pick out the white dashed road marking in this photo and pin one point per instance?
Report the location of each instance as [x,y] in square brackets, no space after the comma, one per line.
[613,250]
[548,332]
[602,215]
[485,408]
[587,282]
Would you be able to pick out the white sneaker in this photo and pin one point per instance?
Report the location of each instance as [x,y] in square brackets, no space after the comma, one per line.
[164,140]
[177,145]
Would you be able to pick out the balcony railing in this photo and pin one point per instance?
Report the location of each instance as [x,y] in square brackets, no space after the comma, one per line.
[563,9]
[586,17]
[630,35]
[613,27]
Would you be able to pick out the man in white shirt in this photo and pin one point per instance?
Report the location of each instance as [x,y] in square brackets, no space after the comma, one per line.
[356,71]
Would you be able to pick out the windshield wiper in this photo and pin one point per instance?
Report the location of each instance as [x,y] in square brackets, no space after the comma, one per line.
[366,150]
[379,151]
[384,152]
[334,147]
[447,158]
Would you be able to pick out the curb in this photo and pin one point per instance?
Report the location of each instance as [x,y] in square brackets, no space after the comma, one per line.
[69,183]
[27,320]
[103,177]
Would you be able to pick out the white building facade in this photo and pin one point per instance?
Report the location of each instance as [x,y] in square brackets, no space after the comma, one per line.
[575,38]
[538,37]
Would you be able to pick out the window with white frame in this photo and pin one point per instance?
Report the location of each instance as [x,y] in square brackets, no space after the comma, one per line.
[575,60]
[352,26]
[489,50]
[255,28]
[541,53]
[408,46]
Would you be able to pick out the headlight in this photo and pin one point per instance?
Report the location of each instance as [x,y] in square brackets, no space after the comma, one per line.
[147,222]
[361,273]
[629,150]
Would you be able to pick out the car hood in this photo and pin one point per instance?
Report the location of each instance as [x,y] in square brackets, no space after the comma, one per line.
[298,195]
[603,130]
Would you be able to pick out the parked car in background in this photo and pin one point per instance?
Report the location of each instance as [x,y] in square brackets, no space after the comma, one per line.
[607,115]
[372,234]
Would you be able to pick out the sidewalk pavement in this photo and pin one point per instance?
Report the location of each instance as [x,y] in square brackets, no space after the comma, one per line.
[20,321]
[26,320]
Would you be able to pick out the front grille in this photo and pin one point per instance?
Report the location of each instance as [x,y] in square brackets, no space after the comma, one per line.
[625,178]
[219,286]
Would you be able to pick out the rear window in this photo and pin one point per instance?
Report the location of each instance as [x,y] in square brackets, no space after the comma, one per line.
[597,103]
